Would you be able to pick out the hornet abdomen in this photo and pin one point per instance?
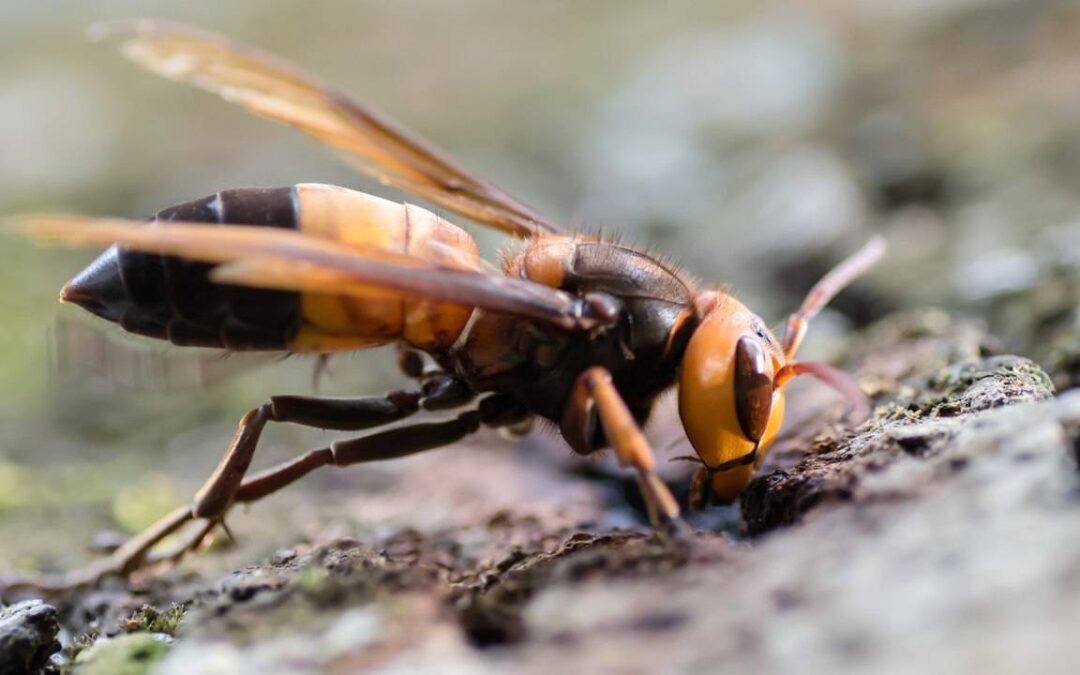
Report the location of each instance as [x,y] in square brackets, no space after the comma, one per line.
[173,299]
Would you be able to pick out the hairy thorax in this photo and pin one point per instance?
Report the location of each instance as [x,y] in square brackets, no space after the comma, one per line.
[538,363]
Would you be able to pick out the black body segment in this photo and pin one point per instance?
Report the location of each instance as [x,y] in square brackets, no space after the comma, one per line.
[170,298]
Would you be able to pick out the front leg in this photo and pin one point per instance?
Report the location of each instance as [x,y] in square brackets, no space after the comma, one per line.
[595,399]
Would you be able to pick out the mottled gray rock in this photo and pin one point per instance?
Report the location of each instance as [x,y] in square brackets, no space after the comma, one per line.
[937,537]
[920,424]
[28,633]
[961,559]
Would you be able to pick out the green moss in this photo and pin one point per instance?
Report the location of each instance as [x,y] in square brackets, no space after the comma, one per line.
[132,654]
[312,580]
[78,645]
[149,619]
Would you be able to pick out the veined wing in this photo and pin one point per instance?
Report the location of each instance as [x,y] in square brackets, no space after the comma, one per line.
[290,260]
[275,89]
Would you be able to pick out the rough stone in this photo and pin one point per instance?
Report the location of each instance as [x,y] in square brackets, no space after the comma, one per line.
[28,632]
[912,428]
[935,536]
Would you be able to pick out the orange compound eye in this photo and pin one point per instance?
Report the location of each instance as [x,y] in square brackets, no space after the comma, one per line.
[727,401]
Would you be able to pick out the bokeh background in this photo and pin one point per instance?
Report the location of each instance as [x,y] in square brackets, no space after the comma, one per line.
[753,142]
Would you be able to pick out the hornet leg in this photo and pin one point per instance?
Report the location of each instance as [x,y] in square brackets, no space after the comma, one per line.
[494,411]
[227,486]
[216,495]
[594,390]
[390,444]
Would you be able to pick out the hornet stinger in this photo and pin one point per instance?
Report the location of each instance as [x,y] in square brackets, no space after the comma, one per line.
[576,329]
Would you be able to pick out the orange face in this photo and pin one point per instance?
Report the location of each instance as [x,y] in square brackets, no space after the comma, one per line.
[727,398]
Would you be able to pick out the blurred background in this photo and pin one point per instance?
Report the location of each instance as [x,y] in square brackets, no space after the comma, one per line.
[753,142]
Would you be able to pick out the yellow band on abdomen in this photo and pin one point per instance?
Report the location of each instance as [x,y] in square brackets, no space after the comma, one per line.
[340,322]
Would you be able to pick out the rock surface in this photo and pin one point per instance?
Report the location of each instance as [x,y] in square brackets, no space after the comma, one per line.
[938,536]
[28,637]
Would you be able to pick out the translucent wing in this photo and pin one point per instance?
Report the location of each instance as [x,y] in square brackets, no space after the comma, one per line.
[272,88]
[84,351]
[291,260]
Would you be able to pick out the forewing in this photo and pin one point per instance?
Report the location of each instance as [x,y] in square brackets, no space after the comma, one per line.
[291,260]
[272,88]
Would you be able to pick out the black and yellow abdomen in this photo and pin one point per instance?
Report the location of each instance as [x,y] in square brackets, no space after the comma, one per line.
[173,299]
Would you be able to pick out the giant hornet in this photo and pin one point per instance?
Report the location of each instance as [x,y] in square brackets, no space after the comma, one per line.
[579,330]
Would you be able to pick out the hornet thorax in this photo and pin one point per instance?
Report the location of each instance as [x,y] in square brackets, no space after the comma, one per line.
[539,363]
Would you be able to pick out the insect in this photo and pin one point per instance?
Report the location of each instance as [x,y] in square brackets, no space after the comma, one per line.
[575,329]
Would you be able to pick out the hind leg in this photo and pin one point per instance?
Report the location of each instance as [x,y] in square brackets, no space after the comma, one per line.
[494,411]
[219,491]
